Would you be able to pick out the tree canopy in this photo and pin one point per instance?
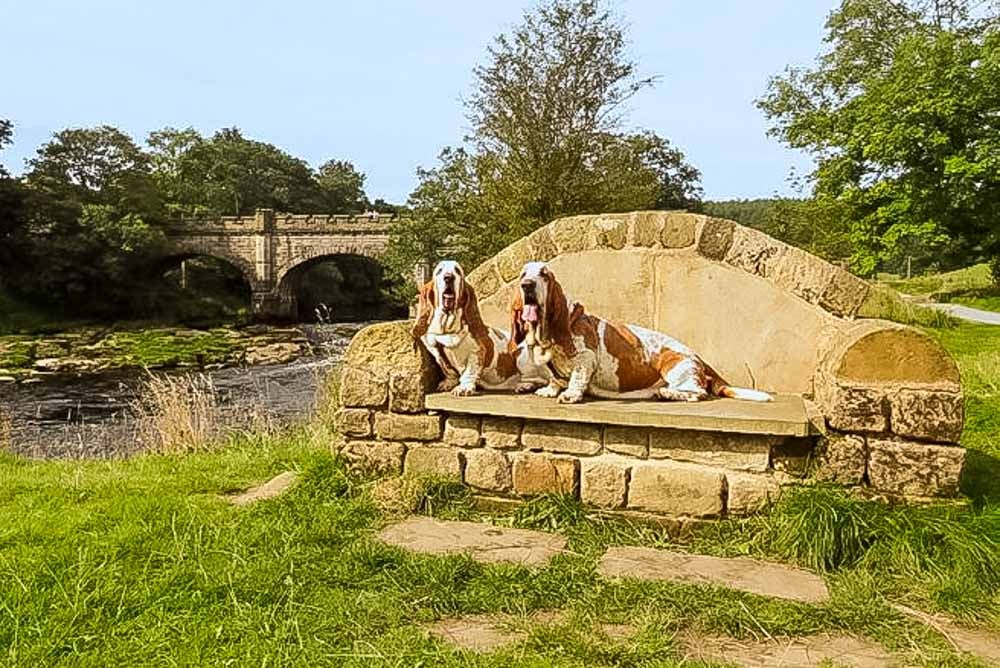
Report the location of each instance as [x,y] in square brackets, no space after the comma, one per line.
[900,114]
[548,138]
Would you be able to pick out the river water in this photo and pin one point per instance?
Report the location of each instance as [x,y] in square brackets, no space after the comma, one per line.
[95,416]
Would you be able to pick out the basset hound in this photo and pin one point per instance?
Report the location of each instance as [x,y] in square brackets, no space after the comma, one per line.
[469,353]
[589,355]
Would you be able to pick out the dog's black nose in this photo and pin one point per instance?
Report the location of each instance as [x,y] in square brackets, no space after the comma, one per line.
[528,284]
[449,278]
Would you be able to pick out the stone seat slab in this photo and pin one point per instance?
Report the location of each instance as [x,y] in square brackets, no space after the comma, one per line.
[483,542]
[785,416]
[749,575]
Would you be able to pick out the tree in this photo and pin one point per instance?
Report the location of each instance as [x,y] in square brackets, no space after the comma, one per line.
[547,140]
[900,116]
[342,187]
[12,213]
[94,213]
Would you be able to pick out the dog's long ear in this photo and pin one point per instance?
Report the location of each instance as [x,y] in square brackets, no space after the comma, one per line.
[557,316]
[425,310]
[469,303]
[517,332]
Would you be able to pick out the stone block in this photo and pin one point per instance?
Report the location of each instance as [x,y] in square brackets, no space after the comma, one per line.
[512,258]
[541,473]
[754,252]
[604,481]
[486,279]
[399,427]
[803,274]
[840,458]
[844,294]
[610,231]
[743,452]
[646,226]
[439,461]
[354,422]
[375,456]
[749,493]
[502,433]
[927,415]
[543,248]
[463,431]
[677,488]
[407,392]
[573,438]
[631,441]
[914,469]
[716,237]
[570,234]
[362,388]
[488,470]
[678,230]
[852,408]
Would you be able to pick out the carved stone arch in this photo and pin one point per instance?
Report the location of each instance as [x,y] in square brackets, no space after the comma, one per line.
[214,248]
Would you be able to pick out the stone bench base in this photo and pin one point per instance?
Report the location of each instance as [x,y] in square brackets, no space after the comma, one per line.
[703,460]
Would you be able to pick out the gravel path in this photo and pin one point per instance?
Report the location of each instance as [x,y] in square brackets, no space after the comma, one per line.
[968,313]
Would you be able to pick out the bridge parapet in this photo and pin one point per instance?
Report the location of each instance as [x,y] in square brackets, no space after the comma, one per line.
[266,221]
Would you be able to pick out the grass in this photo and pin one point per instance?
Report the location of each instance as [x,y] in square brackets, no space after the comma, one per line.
[140,562]
[976,277]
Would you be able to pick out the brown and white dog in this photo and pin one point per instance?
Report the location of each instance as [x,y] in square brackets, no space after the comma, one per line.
[589,355]
[469,353]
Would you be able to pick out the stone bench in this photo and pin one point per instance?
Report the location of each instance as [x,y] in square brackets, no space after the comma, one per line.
[859,402]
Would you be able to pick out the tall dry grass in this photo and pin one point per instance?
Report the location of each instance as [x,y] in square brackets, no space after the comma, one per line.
[177,413]
[6,426]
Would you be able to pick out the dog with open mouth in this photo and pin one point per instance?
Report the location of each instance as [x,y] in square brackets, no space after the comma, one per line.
[470,354]
[586,354]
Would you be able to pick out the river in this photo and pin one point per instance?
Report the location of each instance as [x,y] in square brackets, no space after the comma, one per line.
[94,416]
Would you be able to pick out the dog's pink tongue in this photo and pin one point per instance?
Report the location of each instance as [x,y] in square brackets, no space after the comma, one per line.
[530,313]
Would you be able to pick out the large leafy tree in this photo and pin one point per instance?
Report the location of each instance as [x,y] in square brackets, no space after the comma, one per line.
[229,174]
[547,139]
[93,218]
[900,113]
[12,213]
[342,187]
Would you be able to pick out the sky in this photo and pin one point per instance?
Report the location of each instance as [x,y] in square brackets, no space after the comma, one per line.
[380,82]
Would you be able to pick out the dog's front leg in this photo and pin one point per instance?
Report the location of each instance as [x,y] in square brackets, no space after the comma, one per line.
[579,379]
[469,379]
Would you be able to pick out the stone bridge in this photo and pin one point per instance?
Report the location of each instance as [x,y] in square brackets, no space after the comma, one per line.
[271,249]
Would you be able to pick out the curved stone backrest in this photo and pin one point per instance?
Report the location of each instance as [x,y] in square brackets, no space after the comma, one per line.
[756,309]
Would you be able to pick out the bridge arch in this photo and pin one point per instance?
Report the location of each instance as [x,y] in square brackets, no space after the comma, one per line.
[342,285]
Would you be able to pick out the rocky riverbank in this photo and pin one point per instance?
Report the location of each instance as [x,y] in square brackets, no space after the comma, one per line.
[33,358]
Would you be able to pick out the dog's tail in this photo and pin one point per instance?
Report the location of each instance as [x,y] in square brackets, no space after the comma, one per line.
[744,393]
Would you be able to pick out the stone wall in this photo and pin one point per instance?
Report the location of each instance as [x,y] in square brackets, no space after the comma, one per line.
[672,472]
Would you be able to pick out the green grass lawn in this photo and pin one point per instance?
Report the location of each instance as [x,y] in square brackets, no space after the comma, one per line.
[139,562]
[976,277]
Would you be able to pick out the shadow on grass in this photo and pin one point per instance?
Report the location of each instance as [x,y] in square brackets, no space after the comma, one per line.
[981,478]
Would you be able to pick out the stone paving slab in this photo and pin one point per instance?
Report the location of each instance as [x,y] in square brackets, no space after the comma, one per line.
[479,633]
[483,542]
[756,577]
[270,489]
[785,416]
[823,649]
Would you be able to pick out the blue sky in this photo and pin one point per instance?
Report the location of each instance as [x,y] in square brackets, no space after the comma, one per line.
[380,82]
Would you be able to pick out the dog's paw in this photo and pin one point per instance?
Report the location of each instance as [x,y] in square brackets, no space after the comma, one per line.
[447,385]
[569,397]
[464,390]
[525,388]
[548,391]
